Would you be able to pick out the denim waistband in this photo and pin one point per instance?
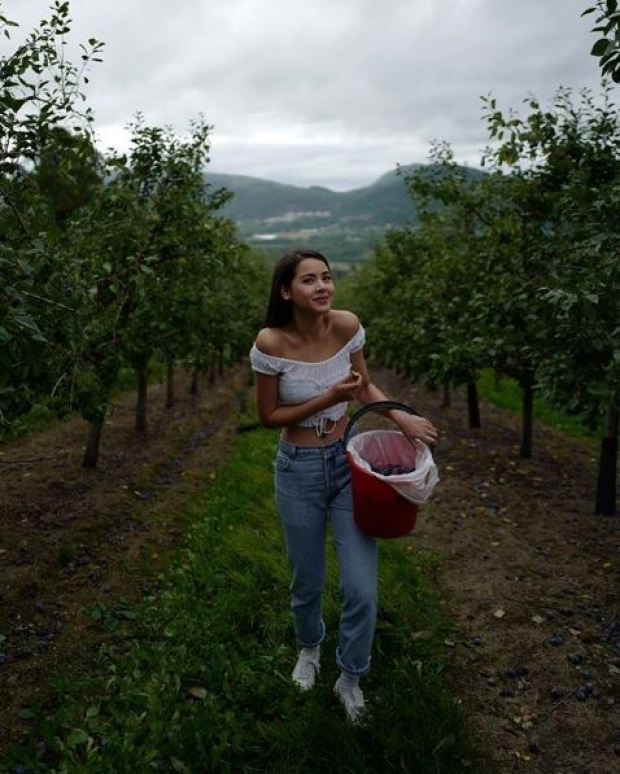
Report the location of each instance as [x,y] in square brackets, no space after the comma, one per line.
[329,450]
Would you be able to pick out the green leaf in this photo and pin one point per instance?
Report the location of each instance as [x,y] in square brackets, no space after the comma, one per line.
[601,47]
[76,738]
[128,615]
[12,103]
[96,612]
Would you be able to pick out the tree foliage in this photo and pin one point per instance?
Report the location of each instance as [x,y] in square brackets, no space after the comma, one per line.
[109,260]
[517,271]
[40,99]
[607,27]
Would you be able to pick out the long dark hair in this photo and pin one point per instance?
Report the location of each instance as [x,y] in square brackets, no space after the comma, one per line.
[280,310]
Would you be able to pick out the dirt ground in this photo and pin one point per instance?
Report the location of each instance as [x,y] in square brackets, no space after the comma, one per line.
[525,570]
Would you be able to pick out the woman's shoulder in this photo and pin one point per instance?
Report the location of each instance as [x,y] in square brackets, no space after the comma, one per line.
[345,324]
[269,341]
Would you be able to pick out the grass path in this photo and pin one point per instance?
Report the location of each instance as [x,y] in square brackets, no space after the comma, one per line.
[202,681]
[176,655]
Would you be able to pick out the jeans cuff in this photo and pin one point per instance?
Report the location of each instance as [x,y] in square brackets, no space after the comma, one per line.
[351,670]
[315,644]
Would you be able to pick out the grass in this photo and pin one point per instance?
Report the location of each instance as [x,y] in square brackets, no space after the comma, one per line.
[202,681]
[39,417]
[506,393]
[48,411]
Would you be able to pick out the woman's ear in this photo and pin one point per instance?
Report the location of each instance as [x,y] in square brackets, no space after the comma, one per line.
[285,293]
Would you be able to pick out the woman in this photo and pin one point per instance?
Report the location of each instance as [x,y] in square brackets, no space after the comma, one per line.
[309,363]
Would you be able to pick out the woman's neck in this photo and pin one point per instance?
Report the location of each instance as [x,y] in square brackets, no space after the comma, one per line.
[310,328]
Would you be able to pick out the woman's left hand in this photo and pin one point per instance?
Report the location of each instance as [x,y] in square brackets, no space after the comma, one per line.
[415,427]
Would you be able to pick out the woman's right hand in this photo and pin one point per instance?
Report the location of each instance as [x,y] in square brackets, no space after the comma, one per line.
[346,389]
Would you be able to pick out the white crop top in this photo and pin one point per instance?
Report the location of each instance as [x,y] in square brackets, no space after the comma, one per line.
[299,381]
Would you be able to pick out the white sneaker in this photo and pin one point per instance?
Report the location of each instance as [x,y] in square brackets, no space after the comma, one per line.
[352,699]
[307,668]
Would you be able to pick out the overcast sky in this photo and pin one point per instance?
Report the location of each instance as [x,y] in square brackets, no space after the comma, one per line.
[323,92]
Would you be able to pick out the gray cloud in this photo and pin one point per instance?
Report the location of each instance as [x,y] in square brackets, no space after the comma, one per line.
[324,93]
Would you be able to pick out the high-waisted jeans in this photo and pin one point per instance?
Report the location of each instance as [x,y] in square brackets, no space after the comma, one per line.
[312,486]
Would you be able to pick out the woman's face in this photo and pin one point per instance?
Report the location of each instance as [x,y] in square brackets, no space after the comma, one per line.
[312,288]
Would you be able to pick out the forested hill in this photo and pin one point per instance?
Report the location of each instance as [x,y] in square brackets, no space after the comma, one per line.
[383,202]
[273,215]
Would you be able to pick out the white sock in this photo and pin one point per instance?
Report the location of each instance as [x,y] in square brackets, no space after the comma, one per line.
[349,681]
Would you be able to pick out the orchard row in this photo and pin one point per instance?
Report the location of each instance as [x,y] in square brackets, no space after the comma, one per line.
[108,260]
[516,269]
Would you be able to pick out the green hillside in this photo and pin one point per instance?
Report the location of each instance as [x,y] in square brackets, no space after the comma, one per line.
[257,199]
[382,203]
[275,217]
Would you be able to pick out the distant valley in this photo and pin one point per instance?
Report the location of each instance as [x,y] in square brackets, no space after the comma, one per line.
[274,217]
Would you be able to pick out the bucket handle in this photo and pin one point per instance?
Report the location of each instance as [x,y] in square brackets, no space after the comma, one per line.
[380,405]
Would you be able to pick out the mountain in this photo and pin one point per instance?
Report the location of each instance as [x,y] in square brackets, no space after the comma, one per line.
[255,199]
[275,217]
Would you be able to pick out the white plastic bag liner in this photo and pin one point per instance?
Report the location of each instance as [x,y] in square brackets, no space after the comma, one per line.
[390,447]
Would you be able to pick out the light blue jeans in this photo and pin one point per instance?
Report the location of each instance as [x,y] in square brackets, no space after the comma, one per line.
[312,486]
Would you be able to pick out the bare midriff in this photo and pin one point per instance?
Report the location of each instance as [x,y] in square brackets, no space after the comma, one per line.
[307,436]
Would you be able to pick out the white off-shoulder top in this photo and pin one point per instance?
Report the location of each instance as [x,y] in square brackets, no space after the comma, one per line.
[300,381]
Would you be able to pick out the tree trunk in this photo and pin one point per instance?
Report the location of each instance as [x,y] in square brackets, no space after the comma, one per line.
[527,385]
[143,383]
[169,384]
[220,363]
[91,453]
[608,465]
[473,405]
[447,398]
[193,388]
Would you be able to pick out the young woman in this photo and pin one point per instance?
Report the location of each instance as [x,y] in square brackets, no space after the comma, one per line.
[309,363]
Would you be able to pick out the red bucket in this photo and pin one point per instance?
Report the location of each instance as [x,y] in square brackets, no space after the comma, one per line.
[378,509]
